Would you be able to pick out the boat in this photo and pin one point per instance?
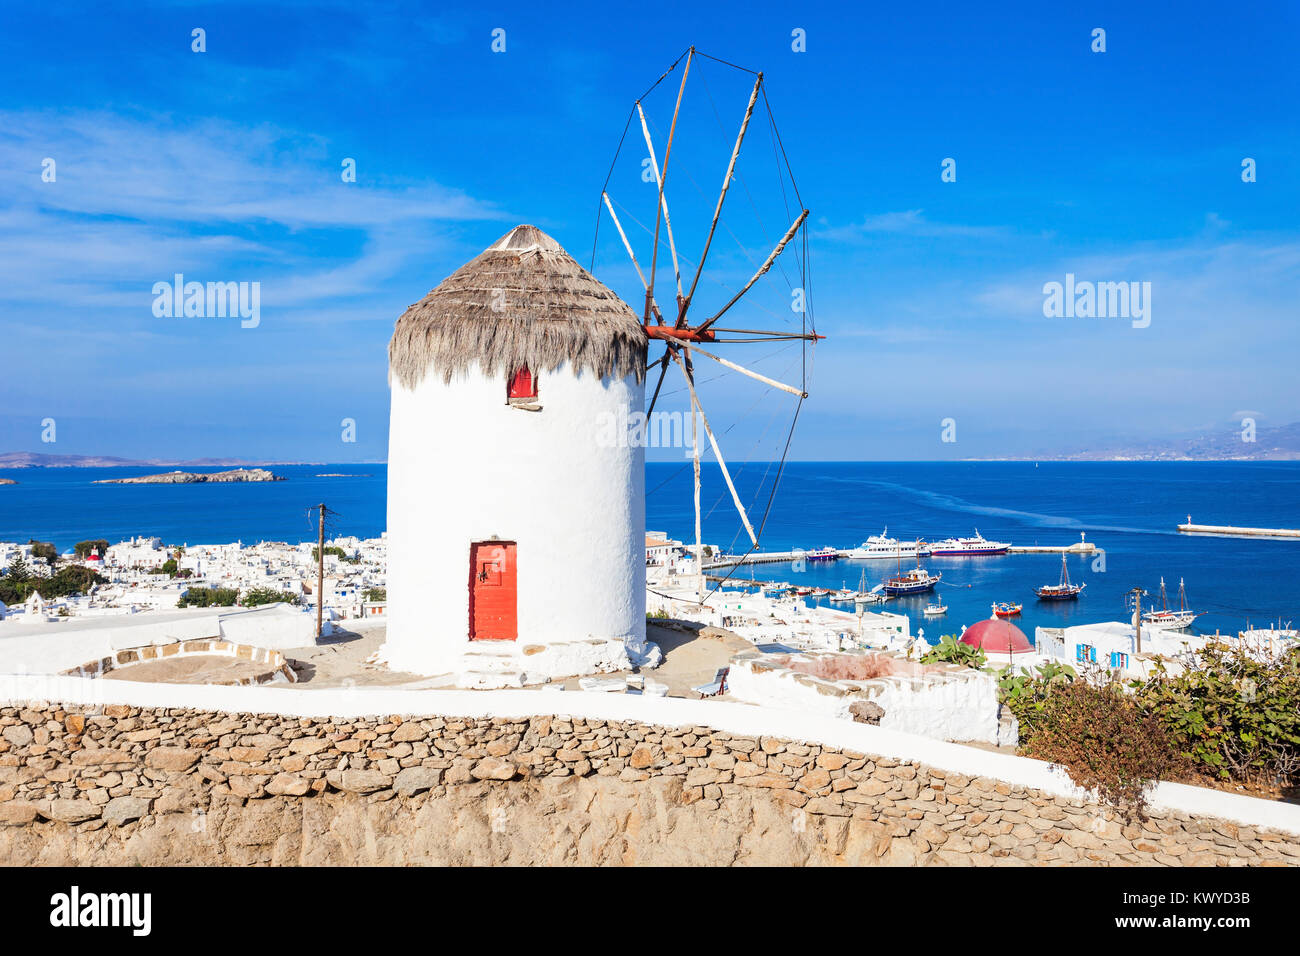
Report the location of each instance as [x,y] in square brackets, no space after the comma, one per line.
[965,547]
[1003,609]
[1065,591]
[935,609]
[843,596]
[823,554]
[916,581]
[883,546]
[1167,619]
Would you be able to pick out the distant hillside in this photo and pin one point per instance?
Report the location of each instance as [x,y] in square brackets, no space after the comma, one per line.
[1280,443]
[28,459]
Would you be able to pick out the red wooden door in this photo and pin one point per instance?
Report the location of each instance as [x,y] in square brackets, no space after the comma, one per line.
[493,591]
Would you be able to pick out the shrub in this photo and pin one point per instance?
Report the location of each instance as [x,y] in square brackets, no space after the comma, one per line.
[1026,693]
[1105,742]
[68,580]
[375,594]
[952,651]
[209,597]
[659,615]
[1233,716]
[43,549]
[255,597]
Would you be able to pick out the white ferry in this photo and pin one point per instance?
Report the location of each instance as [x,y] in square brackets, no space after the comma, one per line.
[969,546]
[883,546]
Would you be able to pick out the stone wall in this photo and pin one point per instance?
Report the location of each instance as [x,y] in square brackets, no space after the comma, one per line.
[151,786]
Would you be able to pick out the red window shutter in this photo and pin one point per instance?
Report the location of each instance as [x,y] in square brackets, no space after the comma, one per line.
[522,384]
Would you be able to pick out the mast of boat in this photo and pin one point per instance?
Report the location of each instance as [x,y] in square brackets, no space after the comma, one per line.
[1065,574]
[1164,598]
[1182,596]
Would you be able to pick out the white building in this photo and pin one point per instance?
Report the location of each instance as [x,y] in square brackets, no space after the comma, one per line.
[516,526]
[1113,646]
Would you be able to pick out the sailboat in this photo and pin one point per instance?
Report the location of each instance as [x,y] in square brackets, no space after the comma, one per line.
[865,597]
[916,581]
[1166,618]
[1065,591]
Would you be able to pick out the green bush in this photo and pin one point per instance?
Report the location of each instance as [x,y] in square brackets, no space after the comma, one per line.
[375,594]
[1233,716]
[1025,694]
[43,549]
[209,597]
[1105,742]
[18,583]
[950,650]
[256,597]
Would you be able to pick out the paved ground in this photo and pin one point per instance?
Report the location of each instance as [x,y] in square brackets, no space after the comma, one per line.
[692,657]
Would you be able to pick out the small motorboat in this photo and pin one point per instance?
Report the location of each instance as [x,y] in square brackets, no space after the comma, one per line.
[1003,609]
[935,609]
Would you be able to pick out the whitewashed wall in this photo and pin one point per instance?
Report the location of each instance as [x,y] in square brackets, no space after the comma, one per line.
[464,466]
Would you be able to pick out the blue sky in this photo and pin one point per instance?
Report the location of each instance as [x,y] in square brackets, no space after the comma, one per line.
[224,166]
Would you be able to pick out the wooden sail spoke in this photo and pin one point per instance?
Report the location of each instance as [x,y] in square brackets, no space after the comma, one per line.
[653,306]
[745,371]
[663,199]
[717,452]
[717,212]
[663,370]
[762,270]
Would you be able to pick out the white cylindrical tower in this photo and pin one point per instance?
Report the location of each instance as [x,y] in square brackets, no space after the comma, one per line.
[516,515]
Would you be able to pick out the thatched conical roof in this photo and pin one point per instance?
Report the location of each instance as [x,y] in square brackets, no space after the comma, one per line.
[523,301]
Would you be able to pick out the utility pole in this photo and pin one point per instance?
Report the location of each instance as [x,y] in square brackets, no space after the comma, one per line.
[320,574]
[1138,594]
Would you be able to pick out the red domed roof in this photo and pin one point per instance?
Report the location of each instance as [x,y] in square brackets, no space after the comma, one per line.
[997,637]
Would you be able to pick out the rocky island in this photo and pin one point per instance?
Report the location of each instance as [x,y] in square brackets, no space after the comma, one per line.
[190,477]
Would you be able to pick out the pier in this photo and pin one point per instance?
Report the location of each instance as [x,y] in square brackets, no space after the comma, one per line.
[763,557]
[1234,531]
[1079,547]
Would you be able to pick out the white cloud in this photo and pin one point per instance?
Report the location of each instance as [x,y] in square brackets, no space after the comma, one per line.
[139,198]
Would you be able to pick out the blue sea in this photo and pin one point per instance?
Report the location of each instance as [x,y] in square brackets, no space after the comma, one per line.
[1129,509]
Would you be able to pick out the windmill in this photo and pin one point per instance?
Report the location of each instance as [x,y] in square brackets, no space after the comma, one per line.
[686,326]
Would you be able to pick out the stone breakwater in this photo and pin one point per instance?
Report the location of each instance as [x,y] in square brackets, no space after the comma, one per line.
[166,786]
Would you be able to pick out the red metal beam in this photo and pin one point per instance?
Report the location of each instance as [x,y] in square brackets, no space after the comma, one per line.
[669,333]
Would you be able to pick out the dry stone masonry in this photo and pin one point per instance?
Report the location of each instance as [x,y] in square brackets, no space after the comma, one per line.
[154,786]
